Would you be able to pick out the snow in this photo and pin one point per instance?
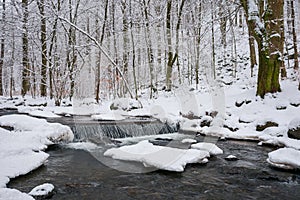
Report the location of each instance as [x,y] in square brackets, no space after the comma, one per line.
[286,158]
[21,150]
[125,104]
[169,136]
[42,190]
[45,114]
[209,147]
[111,116]
[165,158]
[294,124]
[188,140]
[54,132]
[13,194]
[231,157]
[87,146]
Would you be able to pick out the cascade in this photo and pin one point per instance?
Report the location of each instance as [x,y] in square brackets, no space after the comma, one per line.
[98,132]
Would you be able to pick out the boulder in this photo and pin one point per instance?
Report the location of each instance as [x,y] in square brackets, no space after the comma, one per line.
[294,129]
[125,104]
[206,121]
[261,127]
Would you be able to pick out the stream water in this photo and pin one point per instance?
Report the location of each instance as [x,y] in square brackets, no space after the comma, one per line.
[77,174]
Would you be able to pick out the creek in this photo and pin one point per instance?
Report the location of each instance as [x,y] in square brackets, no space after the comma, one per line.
[80,174]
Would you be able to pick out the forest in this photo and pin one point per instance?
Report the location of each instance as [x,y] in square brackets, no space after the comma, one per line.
[149,99]
[107,49]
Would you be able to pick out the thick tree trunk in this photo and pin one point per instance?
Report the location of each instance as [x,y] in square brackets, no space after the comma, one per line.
[269,36]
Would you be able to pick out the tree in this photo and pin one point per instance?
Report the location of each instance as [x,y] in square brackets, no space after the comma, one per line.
[2,46]
[98,67]
[43,87]
[266,22]
[25,56]
[171,56]
[296,62]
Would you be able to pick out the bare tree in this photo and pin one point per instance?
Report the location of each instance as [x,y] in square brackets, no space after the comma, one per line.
[98,68]
[171,56]
[2,46]
[296,62]
[25,57]
[43,87]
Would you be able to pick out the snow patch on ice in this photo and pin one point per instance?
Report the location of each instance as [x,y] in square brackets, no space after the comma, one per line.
[209,147]
[286,158]
[188,140]
[88,146]
[165,158]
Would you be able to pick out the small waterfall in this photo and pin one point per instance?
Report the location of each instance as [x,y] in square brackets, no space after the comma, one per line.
[101,131]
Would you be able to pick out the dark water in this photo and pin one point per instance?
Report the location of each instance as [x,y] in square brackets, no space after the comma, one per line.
[76,174]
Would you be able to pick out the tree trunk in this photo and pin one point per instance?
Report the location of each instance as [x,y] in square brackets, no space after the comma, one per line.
[198,41]
[177,37]
[268,34]
[2,46]
[98,69]
[223,23]
[43,86]
[25,57]
[253,61]
[149,48]
[52,58]
[213,39]
[296,62]
[171,57]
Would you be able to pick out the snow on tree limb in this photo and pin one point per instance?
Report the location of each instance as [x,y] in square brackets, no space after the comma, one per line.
[253,15]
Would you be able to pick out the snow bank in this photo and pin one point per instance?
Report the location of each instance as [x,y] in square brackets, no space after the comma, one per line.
[286,158]
[21,149]
[12,194]
[45,114]
[53,131]
[165,158]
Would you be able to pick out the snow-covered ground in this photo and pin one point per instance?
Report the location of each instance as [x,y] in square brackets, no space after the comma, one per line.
[21,150]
